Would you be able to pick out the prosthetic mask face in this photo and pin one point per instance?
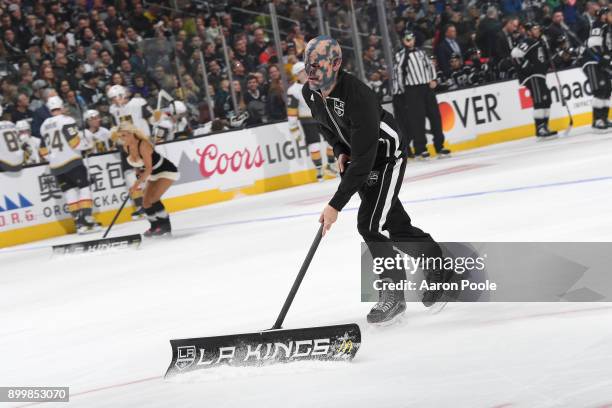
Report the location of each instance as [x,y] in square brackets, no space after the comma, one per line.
[323,57]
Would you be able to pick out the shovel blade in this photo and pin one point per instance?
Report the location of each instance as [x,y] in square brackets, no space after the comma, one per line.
[326,343]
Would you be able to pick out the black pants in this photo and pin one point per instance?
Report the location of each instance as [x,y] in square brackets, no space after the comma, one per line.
[540,94]
[599,80]
[311,133]
[398,109]
[74,178]
[420,102]
[381,210]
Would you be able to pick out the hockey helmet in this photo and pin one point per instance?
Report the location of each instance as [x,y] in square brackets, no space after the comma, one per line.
[176,108]
[530,25]
[22,126]
[297,68]
[55,102]
[91,113]
[116,91]
[603,11]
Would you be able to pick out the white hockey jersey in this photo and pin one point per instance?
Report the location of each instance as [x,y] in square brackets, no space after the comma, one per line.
[296,106]
[167,130]
[11,154]
[31,147]
[63,143]
[100,139]
[136,112]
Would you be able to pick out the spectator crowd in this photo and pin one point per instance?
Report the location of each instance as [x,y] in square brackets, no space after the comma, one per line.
[79,48]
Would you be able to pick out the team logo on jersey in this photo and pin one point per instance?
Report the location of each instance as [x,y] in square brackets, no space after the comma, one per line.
[339,107]
[186,357]
[372,178]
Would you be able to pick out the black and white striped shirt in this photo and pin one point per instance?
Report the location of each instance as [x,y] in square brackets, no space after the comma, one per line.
[411,67]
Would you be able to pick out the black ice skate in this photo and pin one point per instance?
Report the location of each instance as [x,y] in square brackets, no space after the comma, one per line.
[87,225]
[138,214]
[600,126]
[423,156]
[436,295]
[544,133]
[159,228]
[320,175]
[391,305]
[443,153]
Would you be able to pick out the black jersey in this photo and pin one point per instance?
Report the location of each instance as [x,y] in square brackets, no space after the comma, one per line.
[460,78]
[532,59]
[353,122]
[599,45]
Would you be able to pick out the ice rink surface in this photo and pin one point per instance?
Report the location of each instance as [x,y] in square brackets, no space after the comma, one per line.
[101,323]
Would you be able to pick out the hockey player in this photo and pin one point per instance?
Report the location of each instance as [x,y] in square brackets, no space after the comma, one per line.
[459,75]
[298,114]
[96,134]
[533,63]
[597,66]
[371,156]
[173,123]
[157,172]
[137,112]
[11,154]
[64,144]
[30,145]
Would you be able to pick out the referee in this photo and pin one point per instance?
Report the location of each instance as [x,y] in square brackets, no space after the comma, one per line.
[414,98]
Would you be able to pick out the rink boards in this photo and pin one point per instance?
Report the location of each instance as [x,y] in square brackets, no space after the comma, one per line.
[251,161]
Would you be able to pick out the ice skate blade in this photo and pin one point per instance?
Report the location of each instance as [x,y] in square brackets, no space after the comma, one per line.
[436,307]
[546,138]
[444,156]
[600,131]
[158,236]
[397,319]
[89,231]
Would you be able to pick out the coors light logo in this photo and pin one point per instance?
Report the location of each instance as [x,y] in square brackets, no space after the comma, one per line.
[213,160]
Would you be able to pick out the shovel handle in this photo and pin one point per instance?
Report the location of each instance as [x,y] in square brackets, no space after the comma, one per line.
[298,280]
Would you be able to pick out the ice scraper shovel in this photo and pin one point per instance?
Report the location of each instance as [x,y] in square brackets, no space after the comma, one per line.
[102,244]
[326,343]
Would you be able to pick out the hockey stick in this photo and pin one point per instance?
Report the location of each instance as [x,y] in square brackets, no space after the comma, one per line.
[563,101]
[103,243]
[127,197]
[326,343]
[298,280]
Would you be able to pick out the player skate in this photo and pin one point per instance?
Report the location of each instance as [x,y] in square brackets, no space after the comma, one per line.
[389,308]
[425,156]
[435,294]
[443,153]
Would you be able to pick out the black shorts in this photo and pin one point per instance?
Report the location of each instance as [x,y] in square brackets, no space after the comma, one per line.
[166,170]
[311,133]
[74,178]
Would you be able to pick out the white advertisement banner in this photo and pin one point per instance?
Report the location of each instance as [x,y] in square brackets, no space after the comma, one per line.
[225,161]
[475,111]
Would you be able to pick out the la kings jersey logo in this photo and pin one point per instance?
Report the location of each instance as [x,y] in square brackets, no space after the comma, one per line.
[339,107]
